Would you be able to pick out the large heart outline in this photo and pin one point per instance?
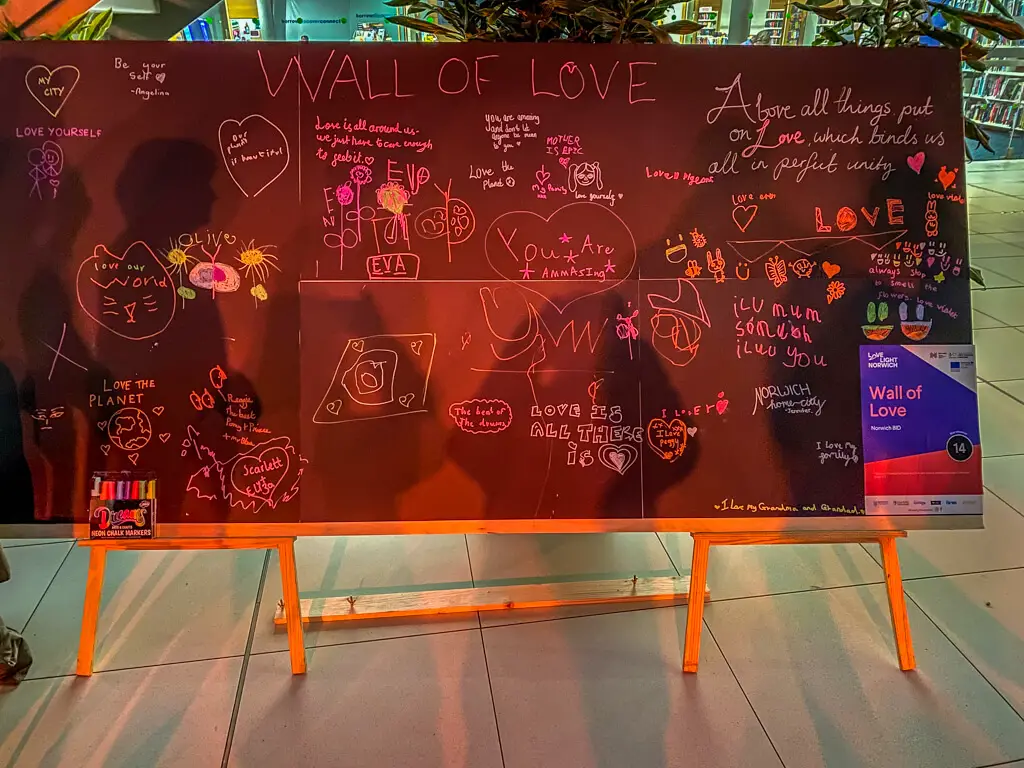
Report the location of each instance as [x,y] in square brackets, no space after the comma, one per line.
[606,286]
[751,209]
[273,477]
[49,77]
[224,156]
[618,458]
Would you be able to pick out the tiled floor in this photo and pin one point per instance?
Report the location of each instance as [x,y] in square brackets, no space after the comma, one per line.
[797,661]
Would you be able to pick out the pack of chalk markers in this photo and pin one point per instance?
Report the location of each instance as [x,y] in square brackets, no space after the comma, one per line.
[122,505]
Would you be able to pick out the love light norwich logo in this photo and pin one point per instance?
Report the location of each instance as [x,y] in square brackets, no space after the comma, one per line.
[52,87]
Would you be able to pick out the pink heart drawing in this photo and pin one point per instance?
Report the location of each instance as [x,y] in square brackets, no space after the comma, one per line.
[601,251]
[721,405]
[542,177]
[691,431]
[618,457]
[916,162]
[133,458]
[164,437]
[931,260]
[564,162]
[743,215]
[101,424]
[258,476]
[255,152]
[105,449]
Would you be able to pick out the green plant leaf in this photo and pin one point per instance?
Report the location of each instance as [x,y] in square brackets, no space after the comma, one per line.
[977,276]
[831,13]
[422,25]
[1001,25]
[975,132]
[599,14]
[683,27]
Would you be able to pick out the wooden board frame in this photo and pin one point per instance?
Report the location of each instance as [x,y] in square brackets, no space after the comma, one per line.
[97,564]
[853,525]
[702,543]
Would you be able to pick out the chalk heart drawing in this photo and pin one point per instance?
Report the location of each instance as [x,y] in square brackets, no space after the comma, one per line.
[160,77]
[165,436]
[667,438]
[334,407]
[133,458]
[258,476]
[618,457]
[830,269]
[946,178]
[255,152]
[518,242]
[131,294]
[406,399]
[51,87]
[916,162]
[105,449]
[743,215]
[157,410]
[691,431]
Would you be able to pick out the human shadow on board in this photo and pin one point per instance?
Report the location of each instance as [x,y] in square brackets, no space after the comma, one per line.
[534,477]
[45,206]
[362,466]
[165,189]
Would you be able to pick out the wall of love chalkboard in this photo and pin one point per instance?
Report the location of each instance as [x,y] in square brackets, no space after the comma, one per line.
[376,287]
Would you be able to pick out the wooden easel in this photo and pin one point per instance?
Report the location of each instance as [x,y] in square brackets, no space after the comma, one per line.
[671,589]
[890,563]
[98,549]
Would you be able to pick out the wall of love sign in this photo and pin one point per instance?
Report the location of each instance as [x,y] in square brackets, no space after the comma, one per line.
[501,287]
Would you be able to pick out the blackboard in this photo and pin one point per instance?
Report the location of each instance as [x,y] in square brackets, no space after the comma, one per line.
[343,288]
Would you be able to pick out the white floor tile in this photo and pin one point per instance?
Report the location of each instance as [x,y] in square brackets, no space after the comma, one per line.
[987,247]
[158,608]
[770,570]
[939,553]
[160,716]
[1010,266]
[415,702]
[989,223]
[994,279]
[32,570]
[1006,304]
[532,559]
[1002,422]
[820,670]
[981,320]
[1005,478]
[608,691]
[330,566]
[981,614]
[1000,353]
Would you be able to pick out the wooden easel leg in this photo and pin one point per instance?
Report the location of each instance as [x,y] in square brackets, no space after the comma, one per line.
[293,614]
[695,604]
[91,611]
[897,603]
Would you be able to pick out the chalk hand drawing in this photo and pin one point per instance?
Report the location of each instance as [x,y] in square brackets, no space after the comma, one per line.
[131,295]
[752,251]
[676,324]
[265,475]
[743,216]
[525,248]
[585,175]
[378,377]
[130,429]
[618,457]
[454,221]
[52,87]
[46,416]
[255,152]
[46,163]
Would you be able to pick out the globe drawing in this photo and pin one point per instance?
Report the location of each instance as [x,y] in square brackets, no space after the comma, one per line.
[129,429]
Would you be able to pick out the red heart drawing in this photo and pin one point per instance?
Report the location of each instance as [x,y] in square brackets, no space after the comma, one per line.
[532,251]
[742,215]
[255,152]
[51,87]
[667,438]
[931,260]
[131,295]
[946,178]
[721,405]
[258,476]
[916,162]
[830,269]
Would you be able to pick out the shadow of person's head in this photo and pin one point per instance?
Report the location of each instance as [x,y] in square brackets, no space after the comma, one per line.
[166,187]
